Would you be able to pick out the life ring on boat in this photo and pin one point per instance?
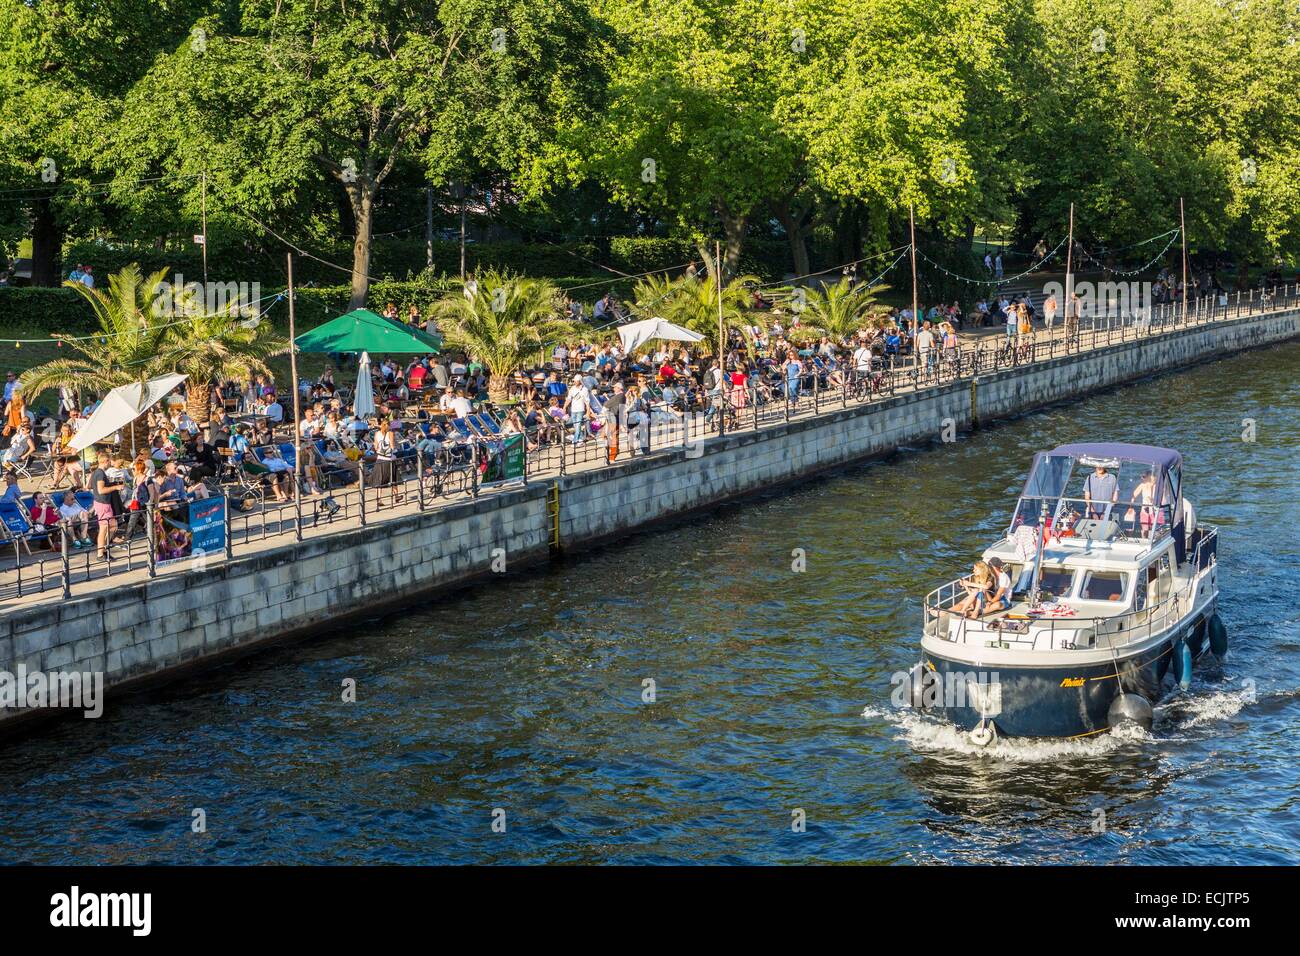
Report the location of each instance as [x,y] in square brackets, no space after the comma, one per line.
[984,733]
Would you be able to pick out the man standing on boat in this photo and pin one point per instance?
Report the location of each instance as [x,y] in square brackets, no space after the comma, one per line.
[1100,491]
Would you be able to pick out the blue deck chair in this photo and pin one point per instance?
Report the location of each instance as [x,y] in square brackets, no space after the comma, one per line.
[486,424]
[462,428]
[17,526]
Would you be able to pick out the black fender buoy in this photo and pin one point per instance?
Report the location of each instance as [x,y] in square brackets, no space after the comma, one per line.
[1218,636]
[916,686]
[1130,709]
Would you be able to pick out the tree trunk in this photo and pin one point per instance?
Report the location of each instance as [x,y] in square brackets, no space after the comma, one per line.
[733,227]
[362,194]
[47,244]
[498,386]
[198,403]
[796,223]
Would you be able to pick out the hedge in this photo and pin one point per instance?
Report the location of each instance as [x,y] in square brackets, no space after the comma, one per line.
[38,312]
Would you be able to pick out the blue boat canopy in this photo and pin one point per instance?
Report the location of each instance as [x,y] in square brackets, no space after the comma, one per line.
[1161,459]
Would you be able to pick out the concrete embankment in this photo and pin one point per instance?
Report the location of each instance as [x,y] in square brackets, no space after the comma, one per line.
[166,626]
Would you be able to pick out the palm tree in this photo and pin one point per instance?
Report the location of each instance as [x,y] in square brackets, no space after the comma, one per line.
[838,311]
[127,349]
[693,303]
[507,321]
[217,347]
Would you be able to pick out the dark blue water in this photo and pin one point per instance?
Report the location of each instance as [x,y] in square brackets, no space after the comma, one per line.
[772,693]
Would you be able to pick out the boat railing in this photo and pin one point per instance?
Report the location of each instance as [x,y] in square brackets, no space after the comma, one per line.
[1086,633]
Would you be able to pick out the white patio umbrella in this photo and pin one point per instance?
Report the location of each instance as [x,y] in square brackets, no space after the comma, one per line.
[363,402]
[635,334]
[122,406]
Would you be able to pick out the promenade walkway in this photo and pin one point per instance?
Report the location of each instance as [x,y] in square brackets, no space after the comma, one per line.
[33,579]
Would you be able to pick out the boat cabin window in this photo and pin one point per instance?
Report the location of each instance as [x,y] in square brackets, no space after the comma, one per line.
[1104,586]
[1057,581]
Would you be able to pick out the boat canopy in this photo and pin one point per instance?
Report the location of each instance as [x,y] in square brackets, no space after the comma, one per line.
[1058,478]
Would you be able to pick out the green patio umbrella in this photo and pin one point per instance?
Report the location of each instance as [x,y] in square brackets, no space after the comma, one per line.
[363,331]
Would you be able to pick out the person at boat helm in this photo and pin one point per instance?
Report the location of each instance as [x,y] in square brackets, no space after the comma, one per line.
[1001,599]
[1100,490]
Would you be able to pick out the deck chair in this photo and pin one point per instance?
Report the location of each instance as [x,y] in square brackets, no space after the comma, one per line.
[17,527]
[486,424]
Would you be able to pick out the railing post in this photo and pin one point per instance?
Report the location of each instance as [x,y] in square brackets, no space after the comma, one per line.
[230,530]
[297,505]
[753,401]
[473,469]
[152,539]
[817,403]
[361,487]
[67,565]
[419,471]
[785,393]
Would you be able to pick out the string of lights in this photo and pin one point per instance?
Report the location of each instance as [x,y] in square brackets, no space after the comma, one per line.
[58,340]
[992,281]
[1173,237]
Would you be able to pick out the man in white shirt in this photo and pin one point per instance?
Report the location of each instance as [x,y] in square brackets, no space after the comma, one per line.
[72,512]
[275,411]
[460,405]
[310,427]
[578,404]
[11,383]
[925,345]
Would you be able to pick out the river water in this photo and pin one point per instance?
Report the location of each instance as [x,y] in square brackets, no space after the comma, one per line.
[771,686]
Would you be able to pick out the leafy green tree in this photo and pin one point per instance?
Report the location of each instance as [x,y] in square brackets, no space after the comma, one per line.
[295,92]
[211,348]
[64,68]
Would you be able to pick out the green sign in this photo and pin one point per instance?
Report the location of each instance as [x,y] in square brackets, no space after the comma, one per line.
[514,457]
[505,460]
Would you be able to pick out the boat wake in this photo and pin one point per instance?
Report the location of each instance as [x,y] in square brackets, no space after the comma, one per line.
[927,734]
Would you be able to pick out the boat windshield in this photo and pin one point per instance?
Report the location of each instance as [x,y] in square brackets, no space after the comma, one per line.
[1115,495]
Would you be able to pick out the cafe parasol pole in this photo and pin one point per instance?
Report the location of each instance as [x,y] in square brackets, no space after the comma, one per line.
[722,338]
[1182,221]
[916,323]
[297,432]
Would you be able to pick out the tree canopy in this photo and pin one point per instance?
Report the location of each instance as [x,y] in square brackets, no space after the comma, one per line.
[320,123]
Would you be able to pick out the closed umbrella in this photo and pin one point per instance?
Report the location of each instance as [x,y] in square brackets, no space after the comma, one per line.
[363,402]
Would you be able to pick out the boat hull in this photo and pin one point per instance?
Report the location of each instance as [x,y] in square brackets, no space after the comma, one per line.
[1051,700]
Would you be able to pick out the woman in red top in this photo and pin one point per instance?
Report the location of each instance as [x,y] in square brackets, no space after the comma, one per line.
[667,373]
